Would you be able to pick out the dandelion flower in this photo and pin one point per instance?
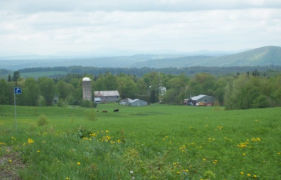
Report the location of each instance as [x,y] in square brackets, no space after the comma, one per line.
[10,161]
[30,141]
[249,175]
[67,178]
[241,173]
[204,159]
[255,176]
[38,151]
[186,170]
[78,163]
[244,154]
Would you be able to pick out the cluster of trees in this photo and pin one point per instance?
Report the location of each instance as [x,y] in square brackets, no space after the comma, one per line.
[252,91]
[240,91]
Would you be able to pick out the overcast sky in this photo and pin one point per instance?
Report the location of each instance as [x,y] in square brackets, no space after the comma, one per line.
[53,26]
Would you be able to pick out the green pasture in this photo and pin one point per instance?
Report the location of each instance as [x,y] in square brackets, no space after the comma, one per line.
[42,74]
[152,142]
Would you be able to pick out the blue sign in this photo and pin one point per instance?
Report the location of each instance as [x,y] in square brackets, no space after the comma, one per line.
[17,90]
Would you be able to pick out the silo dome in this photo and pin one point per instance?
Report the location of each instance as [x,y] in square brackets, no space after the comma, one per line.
[86,79]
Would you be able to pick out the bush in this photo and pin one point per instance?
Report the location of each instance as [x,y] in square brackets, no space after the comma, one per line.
[42,121]
[87,103]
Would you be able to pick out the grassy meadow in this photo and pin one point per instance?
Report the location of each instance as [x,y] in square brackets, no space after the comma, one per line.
[152,142]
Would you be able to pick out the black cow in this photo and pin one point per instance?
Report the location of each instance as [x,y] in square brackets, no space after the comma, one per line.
[116,110]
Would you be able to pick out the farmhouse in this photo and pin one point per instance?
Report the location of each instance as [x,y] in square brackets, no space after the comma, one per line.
[133,102]
[107,96]
[200,100]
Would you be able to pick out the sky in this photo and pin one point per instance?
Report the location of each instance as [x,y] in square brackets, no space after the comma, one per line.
[47,27]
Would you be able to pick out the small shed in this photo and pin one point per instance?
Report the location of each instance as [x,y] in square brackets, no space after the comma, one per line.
[125,101]
[138,102]
[97,100]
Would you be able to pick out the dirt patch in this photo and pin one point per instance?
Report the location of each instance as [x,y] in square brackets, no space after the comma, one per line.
[10,163]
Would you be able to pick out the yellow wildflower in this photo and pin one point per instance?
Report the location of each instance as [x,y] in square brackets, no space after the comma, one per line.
[255,176]
[106,131]
[78,163]
[38,151]
[204,159]
[10,161]
[30,141]
[67,178]
[241,173]
[249,175]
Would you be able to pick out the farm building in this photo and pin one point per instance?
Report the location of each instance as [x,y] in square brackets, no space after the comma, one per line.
[97,100]
[125,101]
[87,88]
[133,102]
[200,100]
[138,102]
[107,96]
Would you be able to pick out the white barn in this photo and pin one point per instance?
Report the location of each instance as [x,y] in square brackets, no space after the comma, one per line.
[133,102]
[138,102]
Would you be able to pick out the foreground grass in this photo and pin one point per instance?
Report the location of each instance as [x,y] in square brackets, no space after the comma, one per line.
[153,142]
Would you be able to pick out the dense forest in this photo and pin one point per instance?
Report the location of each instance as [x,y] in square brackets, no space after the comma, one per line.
[238,91]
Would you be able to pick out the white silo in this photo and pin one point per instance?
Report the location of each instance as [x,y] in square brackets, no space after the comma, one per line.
[87,88]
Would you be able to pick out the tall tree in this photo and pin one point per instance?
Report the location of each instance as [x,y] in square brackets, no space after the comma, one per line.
[48,90]
[16,76]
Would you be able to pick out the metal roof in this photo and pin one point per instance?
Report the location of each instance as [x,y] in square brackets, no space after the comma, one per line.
[106,93]
[194,98]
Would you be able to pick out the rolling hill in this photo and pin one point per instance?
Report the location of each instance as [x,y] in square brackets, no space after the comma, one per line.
[264,56]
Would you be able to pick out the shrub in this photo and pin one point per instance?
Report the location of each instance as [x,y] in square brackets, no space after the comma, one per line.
[42,121]
[87,103]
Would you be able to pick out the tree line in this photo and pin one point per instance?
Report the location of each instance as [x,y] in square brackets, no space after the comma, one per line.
[239,91]
[139,72]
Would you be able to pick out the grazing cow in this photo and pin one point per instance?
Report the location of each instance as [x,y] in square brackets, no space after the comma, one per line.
[116,110]
[104,111]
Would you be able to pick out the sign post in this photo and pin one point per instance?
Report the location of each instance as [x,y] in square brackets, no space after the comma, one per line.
[16,92]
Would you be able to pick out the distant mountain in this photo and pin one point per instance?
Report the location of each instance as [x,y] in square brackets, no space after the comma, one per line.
[269,55]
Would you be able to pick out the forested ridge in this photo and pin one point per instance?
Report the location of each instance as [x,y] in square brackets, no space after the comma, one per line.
[188,71]
[238,91]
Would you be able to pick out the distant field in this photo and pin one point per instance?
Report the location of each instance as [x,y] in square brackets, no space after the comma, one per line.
[43,74]
[152,142]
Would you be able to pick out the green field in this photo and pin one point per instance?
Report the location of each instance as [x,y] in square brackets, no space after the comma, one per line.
[152,142]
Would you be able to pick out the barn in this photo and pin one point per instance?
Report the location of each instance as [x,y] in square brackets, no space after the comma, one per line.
[133,102]
[137,102]
[200,100]
[107,96]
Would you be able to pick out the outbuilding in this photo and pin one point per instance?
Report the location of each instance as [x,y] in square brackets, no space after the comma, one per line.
[200,100]
[137,102]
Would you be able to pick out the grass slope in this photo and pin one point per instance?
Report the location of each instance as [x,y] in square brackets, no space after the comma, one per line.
[152,142]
